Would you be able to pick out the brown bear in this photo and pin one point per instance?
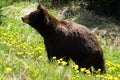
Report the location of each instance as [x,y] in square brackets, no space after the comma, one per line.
[66,40]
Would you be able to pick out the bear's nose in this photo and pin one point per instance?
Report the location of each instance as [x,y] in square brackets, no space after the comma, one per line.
[23,19]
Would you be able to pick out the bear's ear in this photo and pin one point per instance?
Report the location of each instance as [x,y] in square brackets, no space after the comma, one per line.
[40,7]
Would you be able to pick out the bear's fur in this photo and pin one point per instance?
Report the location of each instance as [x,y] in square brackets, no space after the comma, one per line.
[66,40]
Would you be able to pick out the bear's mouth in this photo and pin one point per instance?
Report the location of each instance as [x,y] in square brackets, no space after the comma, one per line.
[25,19]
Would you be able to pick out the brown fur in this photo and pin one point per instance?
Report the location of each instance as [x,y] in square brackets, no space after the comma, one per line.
[66,40]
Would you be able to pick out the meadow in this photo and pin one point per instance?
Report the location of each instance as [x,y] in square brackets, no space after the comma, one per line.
[23,55]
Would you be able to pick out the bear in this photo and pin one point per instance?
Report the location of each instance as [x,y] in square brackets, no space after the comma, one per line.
[67,40]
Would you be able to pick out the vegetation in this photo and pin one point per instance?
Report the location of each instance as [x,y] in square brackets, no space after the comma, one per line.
[105,7]
[23,55]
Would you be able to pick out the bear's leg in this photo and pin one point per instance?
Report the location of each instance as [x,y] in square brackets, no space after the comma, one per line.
[82,63]
[100,65]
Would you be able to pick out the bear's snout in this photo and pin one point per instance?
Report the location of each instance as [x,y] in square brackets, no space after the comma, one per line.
[25,19]
[22,19]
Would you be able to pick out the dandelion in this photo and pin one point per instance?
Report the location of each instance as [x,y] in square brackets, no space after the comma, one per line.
[13,41]
[89,75]
[118,65]
[115,78]
[61,59]
[28,67]
[9,44]
[54,58]
[108,63]
[73,78]
[82,69]
[40,57]
[119,75]
[99,70]
[58,61]
[19,53]
[4,42]
[109,77]
[77,71]
[39,48]
[17,46]
[88,72]
[5,34]
[76,67]
[111,68]
[8,69]
[24,46]
[105,77]
[77,76]
[64,63]
[30,47]
[29,53]
[98,76]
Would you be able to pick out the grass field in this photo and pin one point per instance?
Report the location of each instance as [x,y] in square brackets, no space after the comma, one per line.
[23,56]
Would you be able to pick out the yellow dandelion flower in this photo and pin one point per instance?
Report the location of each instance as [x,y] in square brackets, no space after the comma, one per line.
[5,34]
[98,76]
[58,61]
[39,48]
[88,71]
[119,75]
[77,71]
[61,59]
[82,69]
[24,46]
[31,47]
[73,78]
[105,77]
[28,67]
[109,77]
[54,58]
[111,68]
[19,53]
[9,44]
[4,42]
[13,42]
[29,53]
[115,78]
[118,65]
[108,63]
[42,49]
[40,57]
[77,76]
[17,46]
[8,69]
[64,63]
[99,70]
[76,67]
[89,75]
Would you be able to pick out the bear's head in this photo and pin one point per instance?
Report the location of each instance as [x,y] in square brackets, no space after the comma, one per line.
[38,18]
[42,21]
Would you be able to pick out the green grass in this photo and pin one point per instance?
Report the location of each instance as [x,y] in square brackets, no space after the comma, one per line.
[23,55]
